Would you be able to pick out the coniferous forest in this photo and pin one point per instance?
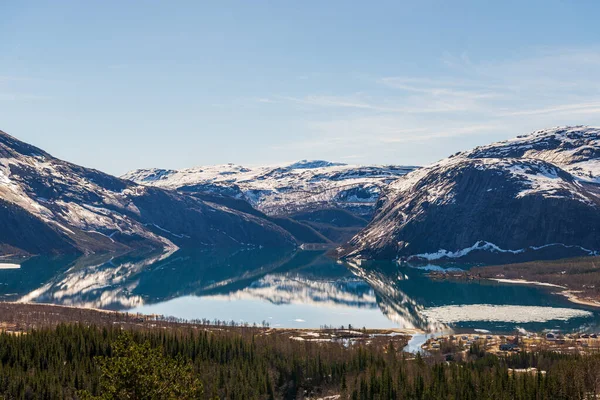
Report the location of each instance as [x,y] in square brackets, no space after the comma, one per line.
[89,362]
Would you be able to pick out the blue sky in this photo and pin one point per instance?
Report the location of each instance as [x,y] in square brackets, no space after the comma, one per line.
[128,84]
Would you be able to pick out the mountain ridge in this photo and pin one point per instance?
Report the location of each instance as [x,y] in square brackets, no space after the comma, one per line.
[82,210]
[502,201]
[285,189]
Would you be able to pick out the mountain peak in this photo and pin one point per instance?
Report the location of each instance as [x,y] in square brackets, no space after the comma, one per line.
[574,148]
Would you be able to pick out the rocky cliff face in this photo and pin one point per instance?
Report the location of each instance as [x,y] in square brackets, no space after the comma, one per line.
[51,206]
[529,198]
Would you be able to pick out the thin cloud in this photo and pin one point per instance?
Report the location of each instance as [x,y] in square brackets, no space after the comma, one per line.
[439,88]
[264,100]
[386,105]
[469,102]
[585,108]
[444,133]
[333,101]
[373,132]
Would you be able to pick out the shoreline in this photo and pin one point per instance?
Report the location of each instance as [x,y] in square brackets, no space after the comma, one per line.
[526,282]
[156,318]
[568,293]
[572,295]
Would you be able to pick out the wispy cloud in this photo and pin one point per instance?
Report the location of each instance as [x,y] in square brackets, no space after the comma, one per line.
[396,105]
[377,132]
[441,132]
[264,100]
[467,102]
[333,101]
[443,88]
[578,108]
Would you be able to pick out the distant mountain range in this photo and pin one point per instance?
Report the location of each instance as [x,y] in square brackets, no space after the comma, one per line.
[319,202]
[533,197]
[287,189]
[49,206]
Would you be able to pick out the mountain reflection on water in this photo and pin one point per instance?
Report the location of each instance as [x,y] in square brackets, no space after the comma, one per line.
[290,289]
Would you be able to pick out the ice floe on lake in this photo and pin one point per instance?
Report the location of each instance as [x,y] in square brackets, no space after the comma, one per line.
[502,313]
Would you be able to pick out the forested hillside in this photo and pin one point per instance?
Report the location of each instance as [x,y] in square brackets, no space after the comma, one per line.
[74,361]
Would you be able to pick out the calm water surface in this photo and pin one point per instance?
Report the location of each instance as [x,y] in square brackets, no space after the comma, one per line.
[290,289]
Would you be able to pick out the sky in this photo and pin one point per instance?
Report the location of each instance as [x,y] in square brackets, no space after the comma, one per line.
[119,85]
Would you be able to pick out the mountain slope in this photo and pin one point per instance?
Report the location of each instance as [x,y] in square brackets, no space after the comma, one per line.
[284,189]
[51,206]
[531,197]
[575,149]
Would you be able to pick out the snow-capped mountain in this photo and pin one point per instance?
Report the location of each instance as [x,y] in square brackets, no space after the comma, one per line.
[574,149]
[51,206]
[535,196]
[283,189]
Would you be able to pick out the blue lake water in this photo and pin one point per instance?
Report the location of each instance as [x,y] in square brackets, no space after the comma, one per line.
[302,289]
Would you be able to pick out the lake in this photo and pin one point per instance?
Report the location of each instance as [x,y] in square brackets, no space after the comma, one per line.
[303,289]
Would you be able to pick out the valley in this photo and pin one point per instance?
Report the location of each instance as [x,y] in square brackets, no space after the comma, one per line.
[314,243]
[308,200]
[293,289]
[534,197]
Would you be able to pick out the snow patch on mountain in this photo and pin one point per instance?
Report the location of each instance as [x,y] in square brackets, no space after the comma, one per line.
[575,149]
[481,245]
[491,247]
[531,193]
[85,209]
[282,189]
